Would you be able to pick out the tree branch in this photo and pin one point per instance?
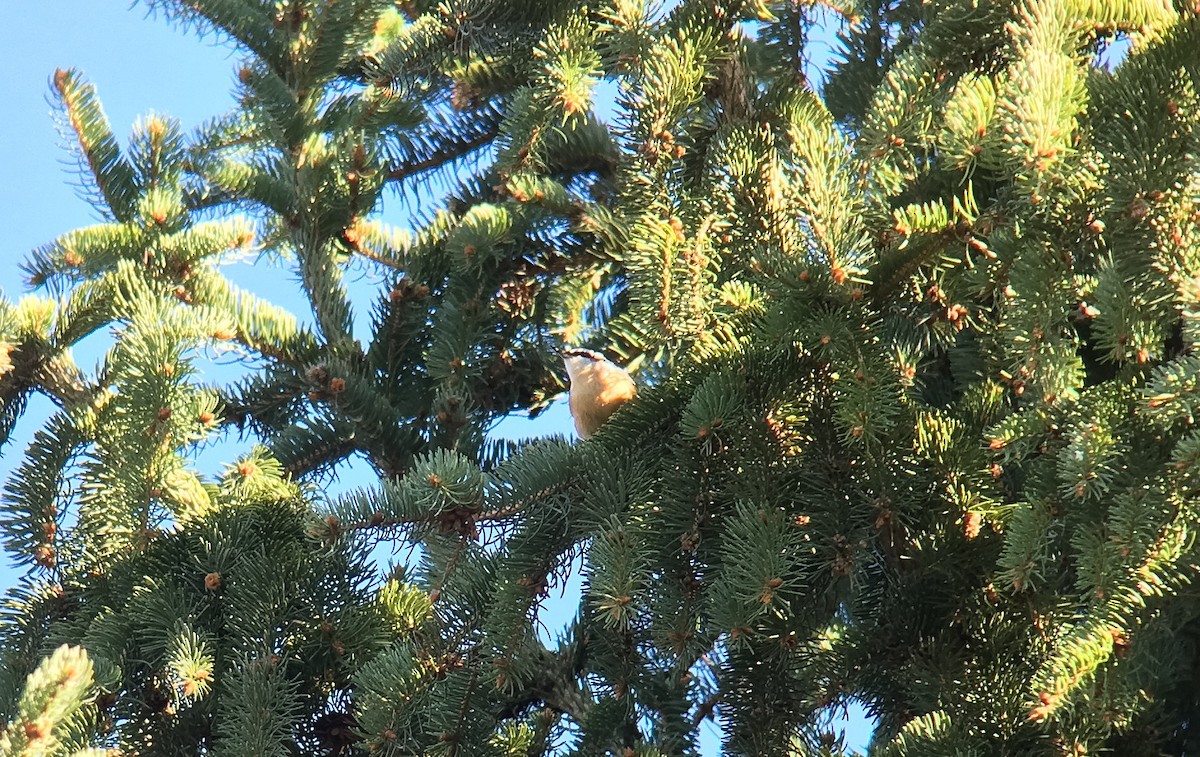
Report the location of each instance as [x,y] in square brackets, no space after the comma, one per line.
[445,155]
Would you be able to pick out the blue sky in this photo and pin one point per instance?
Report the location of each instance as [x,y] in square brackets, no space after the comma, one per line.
[139,64]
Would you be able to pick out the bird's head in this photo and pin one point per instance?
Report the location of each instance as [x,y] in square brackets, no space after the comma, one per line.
[577,359]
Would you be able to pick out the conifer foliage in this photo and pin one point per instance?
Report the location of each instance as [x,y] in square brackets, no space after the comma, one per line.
[918,360]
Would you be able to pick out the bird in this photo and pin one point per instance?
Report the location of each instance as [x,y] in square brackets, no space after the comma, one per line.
[598,388]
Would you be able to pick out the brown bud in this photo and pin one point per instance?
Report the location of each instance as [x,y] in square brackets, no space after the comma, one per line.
[35,731]
[45,556]
[972,524]
[212,581]
[337,385]
[317,374]
[1120,641]
[1138,209]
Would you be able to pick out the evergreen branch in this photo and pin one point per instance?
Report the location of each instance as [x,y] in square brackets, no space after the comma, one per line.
[446,154]
[842,440]
[354,240]
[34,364]
[554,684]
[53,694]
[249,22]
[319,457]
[112,175]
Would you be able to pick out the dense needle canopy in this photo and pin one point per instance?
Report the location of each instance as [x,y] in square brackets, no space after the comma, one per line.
[917,380]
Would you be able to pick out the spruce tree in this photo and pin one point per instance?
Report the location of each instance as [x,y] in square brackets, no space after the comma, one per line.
[917,365]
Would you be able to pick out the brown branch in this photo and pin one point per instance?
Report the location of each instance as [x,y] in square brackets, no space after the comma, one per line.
[705,710]
[378,520]
[335,451]
[451,152]
[32,365]
[463,711]
[59,377]
[555,685]
[358,247]
[451,564]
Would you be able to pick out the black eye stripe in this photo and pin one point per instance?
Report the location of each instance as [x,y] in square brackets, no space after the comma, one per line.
[583,353]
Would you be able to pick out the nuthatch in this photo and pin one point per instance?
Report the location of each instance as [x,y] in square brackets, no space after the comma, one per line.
[598,388]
